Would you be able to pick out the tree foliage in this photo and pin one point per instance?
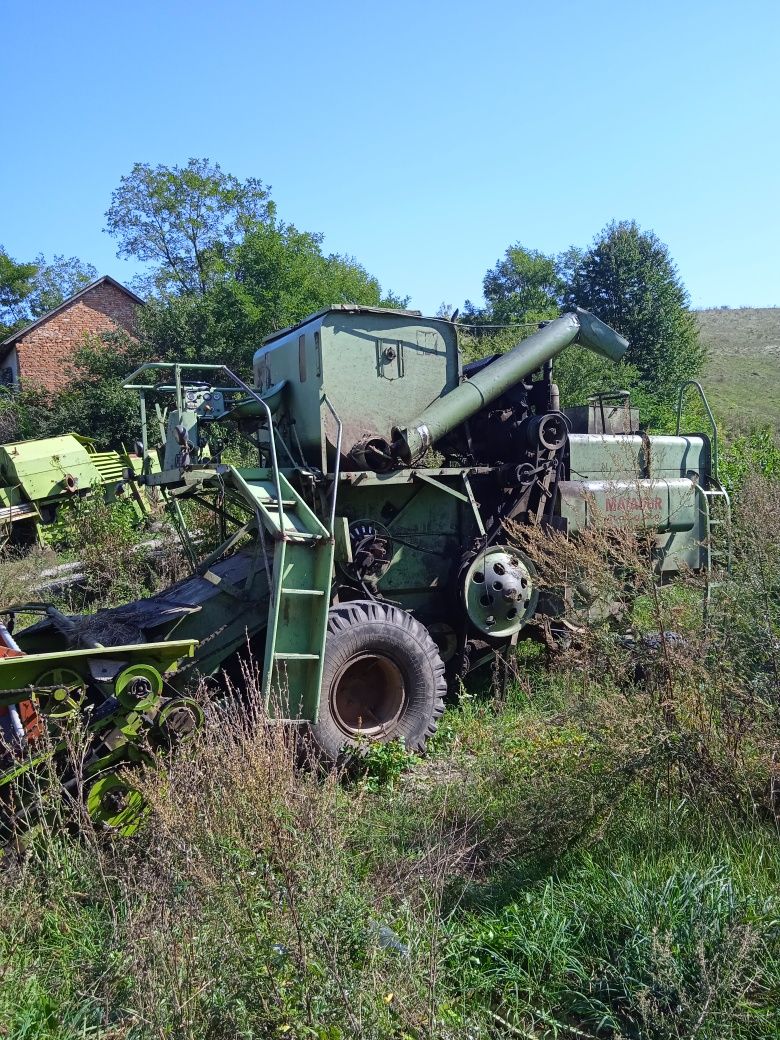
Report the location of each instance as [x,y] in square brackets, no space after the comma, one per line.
[185,221]
[629,280]
[279,276]
[16,285]
[286,276]
[224,270]
[54,282]
[30,290]
[524,287]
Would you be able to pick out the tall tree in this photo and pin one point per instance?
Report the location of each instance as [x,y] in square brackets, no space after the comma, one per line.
[287,276]
[185,221]
[16,285]
[629,280]
[278,275]
[524,286]
[54,282]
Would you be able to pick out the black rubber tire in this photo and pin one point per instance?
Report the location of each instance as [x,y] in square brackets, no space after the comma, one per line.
[394,639]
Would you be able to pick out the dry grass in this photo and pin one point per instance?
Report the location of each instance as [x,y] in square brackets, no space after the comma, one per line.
[596,855]
[742,372]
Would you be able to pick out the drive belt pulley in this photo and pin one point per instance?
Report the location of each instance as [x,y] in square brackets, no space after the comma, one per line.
[500,591]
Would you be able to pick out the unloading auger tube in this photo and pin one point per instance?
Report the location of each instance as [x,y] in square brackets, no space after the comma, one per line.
[472,395]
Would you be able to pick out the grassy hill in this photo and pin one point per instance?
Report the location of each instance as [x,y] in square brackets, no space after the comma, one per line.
[742,374]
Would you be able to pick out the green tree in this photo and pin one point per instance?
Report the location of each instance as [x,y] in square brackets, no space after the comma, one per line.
[94,401]
[278,275]
[628,279]
[16,285]
[287,276]
[524,286]
[28,291]
[185,221]
[54,282]
[26,413]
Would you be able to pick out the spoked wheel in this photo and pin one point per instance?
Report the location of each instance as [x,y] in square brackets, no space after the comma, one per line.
[382,679]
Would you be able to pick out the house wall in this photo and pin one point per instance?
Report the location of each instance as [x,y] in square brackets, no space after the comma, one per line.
[44,355]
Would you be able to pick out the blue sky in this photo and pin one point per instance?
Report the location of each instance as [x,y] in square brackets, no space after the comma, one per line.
[422,138]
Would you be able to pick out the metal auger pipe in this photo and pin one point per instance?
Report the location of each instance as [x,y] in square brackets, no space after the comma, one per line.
[472,395]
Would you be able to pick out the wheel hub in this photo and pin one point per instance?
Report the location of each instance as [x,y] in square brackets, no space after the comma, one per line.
[368,695]
[500,591]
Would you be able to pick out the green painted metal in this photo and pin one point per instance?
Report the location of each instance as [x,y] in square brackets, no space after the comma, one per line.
[365,360]
[298,607]
[643,483]
[49,467]
[23,673]
[39,477]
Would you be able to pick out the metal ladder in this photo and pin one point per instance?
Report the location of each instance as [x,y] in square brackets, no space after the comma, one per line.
[714,500]
[716,506]
[299,595]
[302,550]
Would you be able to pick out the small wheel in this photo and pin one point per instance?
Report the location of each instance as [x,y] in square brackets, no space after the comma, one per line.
[116,805]
[382,679]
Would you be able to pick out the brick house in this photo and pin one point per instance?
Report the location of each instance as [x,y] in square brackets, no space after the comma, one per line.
[40,354]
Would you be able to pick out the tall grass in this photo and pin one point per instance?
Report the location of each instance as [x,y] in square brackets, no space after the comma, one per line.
[592,854]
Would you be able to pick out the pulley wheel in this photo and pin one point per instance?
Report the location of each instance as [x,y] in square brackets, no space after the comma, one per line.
[500,592]
[116,805]
[178,721]
[67,696]
[136,683]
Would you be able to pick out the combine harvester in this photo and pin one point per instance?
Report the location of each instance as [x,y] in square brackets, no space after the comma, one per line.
[364,559]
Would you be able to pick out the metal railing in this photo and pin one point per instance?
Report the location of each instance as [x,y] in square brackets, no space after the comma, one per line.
[684,387]
[337,468]
[176,388]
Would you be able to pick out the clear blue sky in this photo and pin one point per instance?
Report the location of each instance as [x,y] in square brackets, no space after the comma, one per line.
[421,137]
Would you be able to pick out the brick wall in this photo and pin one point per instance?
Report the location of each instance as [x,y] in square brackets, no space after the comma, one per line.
[45,353]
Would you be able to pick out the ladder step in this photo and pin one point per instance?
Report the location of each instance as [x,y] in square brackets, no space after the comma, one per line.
[296,657]
[303,592]
[273,503]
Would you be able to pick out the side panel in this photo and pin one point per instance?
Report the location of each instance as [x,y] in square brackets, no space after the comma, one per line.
[671,507]
[41,467]
[596,456]
[382,369]
[430,527]
[296,357]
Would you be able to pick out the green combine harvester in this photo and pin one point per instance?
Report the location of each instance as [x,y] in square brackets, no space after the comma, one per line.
[365,561]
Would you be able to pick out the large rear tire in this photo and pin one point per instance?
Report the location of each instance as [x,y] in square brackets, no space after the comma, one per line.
[382,679]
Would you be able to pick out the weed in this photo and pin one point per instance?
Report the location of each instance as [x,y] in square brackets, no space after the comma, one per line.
[381,765]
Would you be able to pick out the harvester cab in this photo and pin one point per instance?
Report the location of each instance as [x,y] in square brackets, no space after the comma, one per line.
[364,555]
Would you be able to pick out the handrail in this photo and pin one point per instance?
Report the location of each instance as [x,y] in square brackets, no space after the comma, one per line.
[240,384]
[271,440]
[683,388]
[337,470]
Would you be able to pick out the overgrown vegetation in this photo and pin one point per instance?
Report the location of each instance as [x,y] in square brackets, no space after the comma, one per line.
[591,853]
[589,850]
